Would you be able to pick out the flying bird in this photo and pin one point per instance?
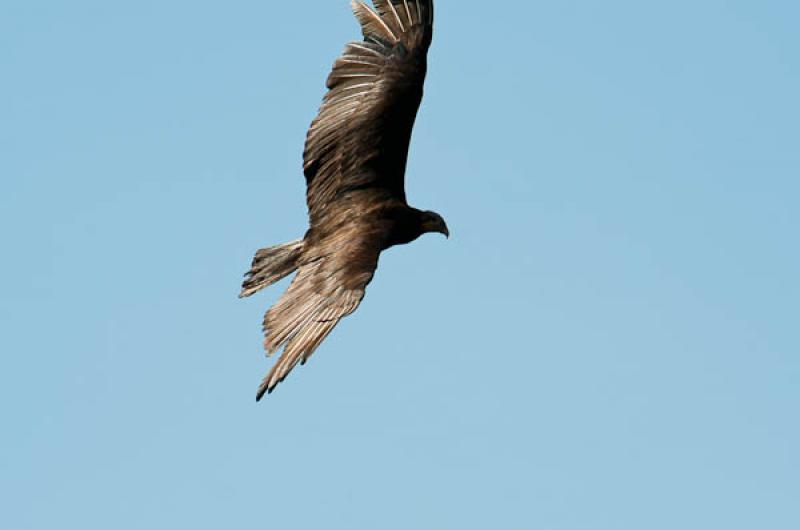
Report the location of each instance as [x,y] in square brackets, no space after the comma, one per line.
[354,164]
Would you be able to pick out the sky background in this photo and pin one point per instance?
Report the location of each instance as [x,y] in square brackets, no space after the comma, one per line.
[609,340]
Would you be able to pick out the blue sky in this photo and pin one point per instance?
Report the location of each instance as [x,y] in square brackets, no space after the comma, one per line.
[609,340]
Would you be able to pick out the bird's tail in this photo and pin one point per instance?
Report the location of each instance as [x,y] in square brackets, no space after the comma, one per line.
[271,265]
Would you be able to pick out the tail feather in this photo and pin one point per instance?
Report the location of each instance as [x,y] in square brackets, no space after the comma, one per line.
[271,265]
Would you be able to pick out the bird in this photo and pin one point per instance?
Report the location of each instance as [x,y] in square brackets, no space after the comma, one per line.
[354,163]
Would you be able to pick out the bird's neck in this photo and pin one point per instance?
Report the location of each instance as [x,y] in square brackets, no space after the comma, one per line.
[406,226]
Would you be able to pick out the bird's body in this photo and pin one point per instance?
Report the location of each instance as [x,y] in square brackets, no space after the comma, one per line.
[354,163]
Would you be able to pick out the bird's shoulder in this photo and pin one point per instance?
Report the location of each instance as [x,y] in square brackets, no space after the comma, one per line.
[362,222]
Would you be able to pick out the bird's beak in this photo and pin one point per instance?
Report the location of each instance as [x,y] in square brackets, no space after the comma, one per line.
[446,232]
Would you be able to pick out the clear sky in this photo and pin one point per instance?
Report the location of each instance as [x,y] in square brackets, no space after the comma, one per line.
[610,340]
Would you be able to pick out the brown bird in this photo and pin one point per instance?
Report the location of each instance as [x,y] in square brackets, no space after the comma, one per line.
[354,163]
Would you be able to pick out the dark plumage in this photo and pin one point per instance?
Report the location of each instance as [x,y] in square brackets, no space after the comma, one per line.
[354,163]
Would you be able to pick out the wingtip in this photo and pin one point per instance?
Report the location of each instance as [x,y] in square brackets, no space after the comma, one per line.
[248,290]
[267,387]
[371,21]
[355,5]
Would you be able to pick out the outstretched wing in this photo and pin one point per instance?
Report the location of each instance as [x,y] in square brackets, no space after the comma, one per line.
[329,285]
[361,135]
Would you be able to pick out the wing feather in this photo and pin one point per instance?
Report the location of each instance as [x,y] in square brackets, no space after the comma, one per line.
[361,134]
[372,24]
[324,291]
[386,6]
[408,13]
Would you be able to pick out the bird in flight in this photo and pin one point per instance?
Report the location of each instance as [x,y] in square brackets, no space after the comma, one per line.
[354,163]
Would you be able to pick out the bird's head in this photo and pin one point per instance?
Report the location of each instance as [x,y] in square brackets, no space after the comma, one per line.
[433,222]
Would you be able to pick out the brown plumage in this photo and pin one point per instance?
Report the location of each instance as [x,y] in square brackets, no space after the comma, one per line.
[354,164]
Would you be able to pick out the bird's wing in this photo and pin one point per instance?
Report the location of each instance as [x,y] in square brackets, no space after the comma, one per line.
[329,285]
[360,138]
